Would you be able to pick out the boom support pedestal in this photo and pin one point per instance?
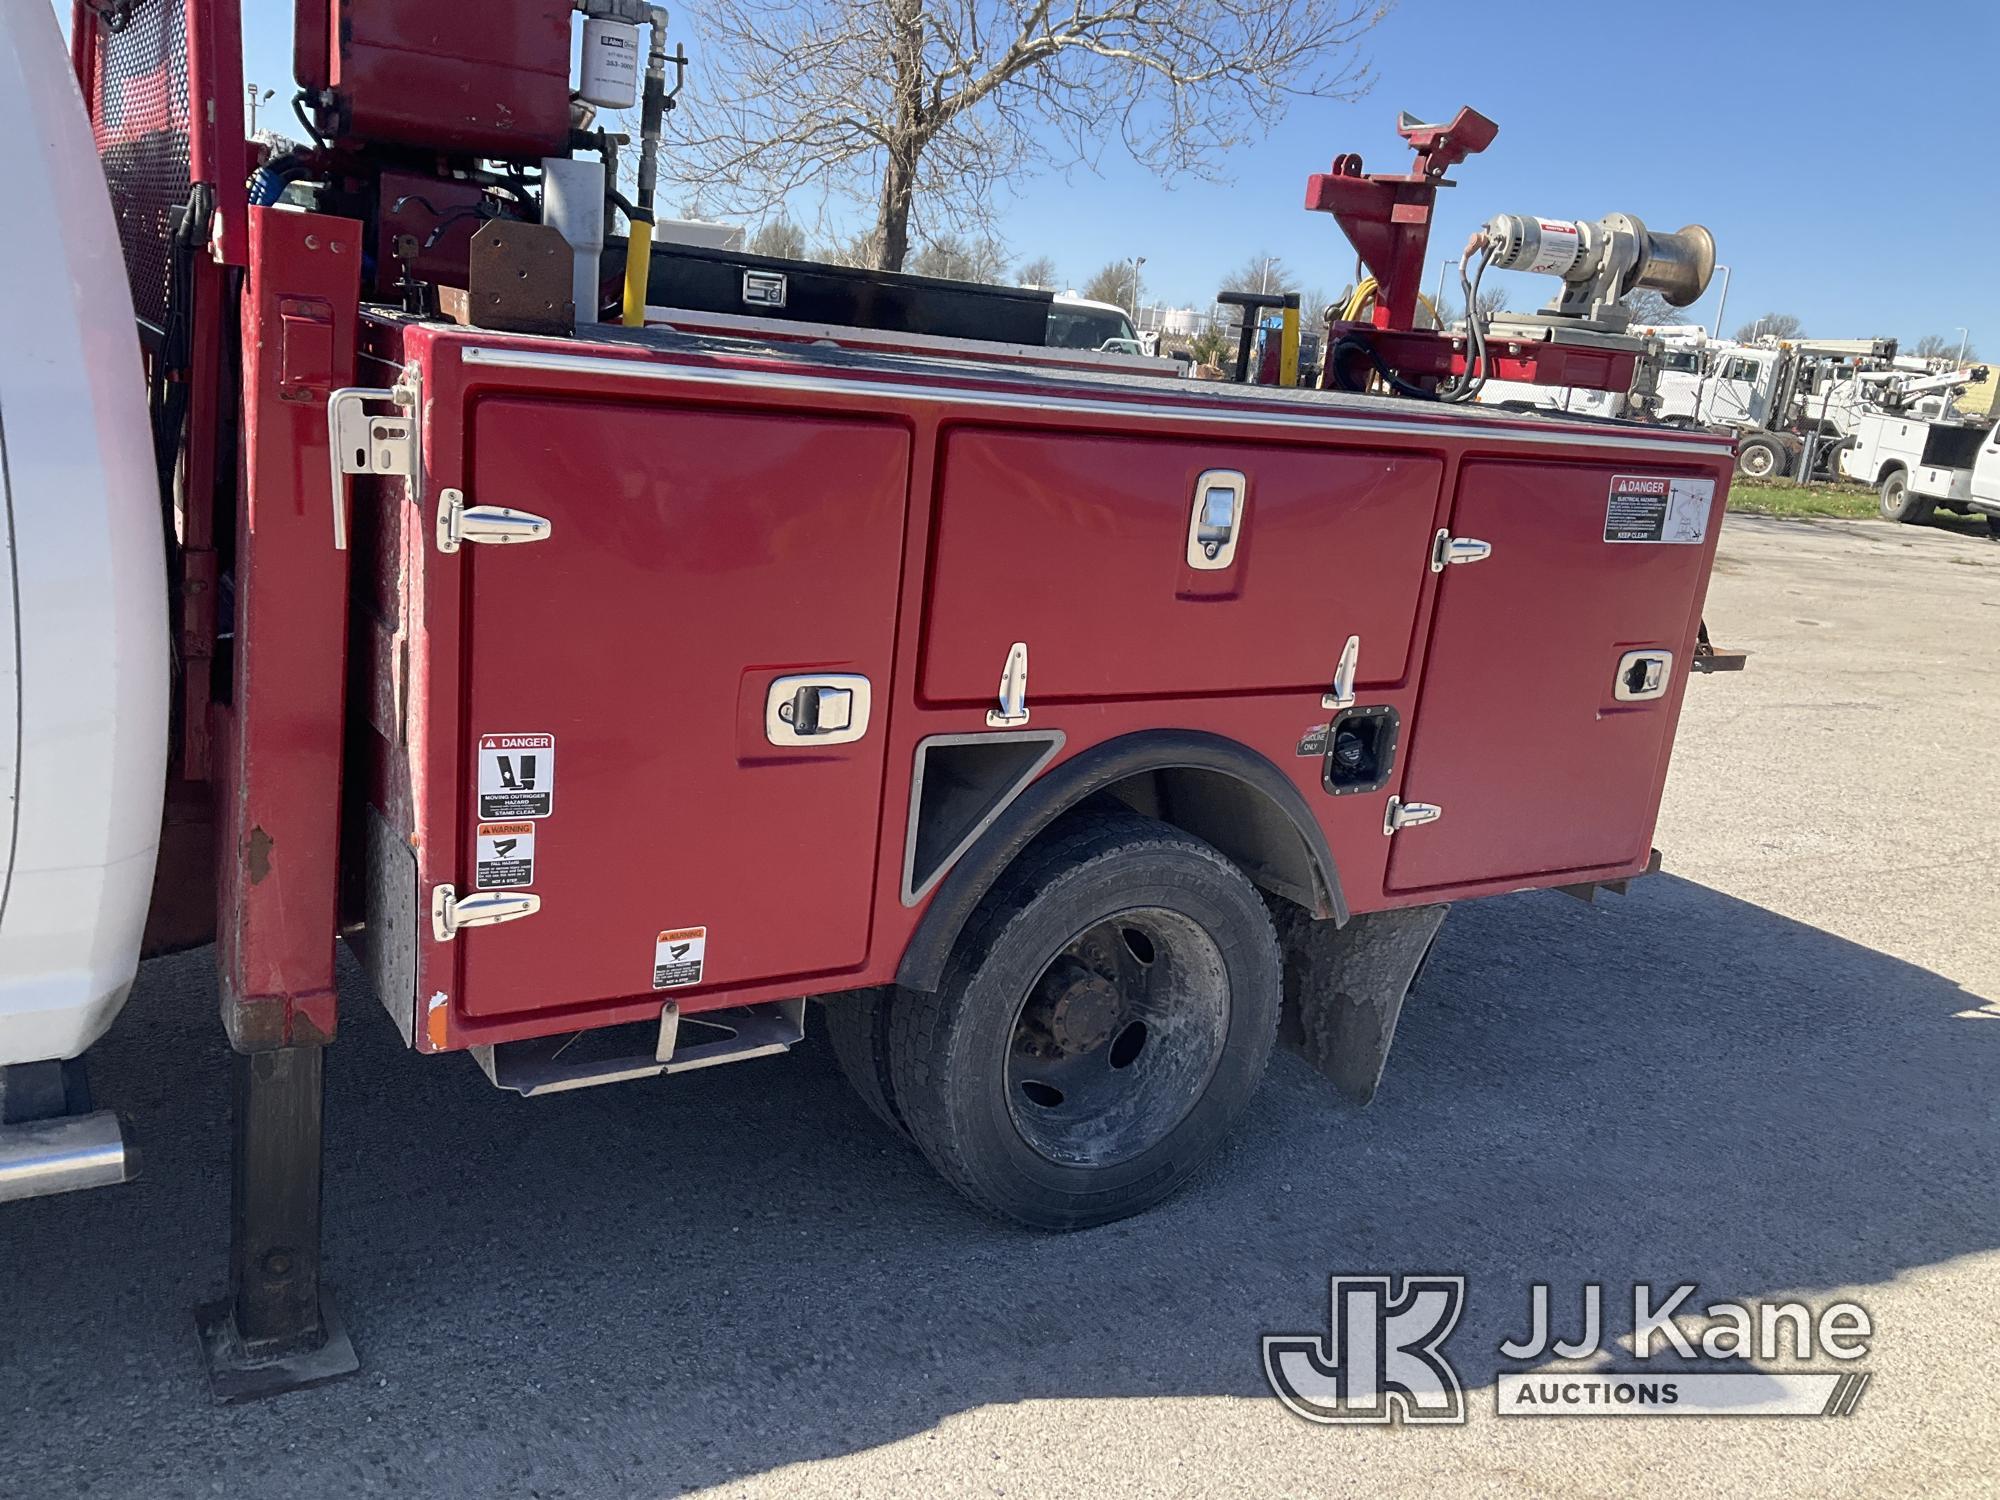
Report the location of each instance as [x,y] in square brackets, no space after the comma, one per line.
[277,1330]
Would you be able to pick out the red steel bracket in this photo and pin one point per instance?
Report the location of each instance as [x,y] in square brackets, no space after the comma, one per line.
[279,750]
[1388,215]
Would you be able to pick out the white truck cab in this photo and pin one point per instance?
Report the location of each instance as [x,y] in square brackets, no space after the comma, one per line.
[1080,323]
[84,669]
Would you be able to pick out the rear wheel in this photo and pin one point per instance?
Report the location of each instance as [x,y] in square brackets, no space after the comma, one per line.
[857,1026]
[1900,503]
[1099,1029]
[1760,458]
[1993,524]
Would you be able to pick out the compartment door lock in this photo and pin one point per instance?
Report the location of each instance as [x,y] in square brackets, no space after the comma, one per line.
[829,709]
[1216,523]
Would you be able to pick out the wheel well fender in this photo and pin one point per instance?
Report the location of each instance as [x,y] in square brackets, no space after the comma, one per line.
[1215,788]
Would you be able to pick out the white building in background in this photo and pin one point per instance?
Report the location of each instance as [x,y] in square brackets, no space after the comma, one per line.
[1183,321]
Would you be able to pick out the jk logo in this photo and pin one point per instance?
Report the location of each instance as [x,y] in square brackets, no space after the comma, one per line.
[1381,1355]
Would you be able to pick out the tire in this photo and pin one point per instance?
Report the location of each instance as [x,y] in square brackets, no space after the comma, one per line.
[1828,459]
[1760,458]
[1899,504]
[1099,1029]
[857,1028]
[1993,525]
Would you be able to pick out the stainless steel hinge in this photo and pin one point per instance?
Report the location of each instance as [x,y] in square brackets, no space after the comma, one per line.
[363,442]
[450,911]
[494,525]
[1013,709]
[1401,814]
[1341,695]
[1446,548]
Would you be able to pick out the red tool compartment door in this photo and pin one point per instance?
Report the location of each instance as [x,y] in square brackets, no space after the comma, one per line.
[695,557]
[1519,736]
[1077,543]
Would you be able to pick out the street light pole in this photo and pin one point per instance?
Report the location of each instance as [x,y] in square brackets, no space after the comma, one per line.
[1437,301]
[1964,337]
[1722,301]
[254,97]
[1137,261]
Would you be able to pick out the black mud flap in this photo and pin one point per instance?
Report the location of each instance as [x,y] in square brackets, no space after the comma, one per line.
[1344,987]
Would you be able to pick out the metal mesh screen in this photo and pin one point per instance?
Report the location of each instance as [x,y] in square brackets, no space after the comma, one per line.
[141,120]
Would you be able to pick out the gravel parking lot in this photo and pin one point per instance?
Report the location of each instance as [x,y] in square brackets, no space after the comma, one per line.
[1770,1070]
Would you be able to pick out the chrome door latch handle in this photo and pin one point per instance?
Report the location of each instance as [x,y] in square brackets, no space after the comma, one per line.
[825,709]
[1216,524]
[363,442]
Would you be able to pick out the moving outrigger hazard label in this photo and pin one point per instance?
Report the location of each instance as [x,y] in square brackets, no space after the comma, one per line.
[506,856]
[677,957]
[517,775]
[1654,508]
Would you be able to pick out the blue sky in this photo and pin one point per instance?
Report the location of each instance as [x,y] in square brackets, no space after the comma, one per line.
[1846,155]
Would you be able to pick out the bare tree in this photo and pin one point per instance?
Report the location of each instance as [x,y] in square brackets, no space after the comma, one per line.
[1262,272]
[1652,310]
[1040,272]
[957,258]
[1312,310]
[1492,299]
[1937,346]
[931,110]
[1116,282]
[779,236]
[1771,325]
[854,250]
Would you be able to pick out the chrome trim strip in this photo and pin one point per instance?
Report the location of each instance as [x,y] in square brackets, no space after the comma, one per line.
[635,369]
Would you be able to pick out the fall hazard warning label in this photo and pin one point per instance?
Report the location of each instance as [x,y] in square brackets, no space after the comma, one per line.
[506,855]
[517,775]
[677,957]
[1654,508]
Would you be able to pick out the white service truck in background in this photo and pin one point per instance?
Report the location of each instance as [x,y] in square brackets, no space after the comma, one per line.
[1919,466]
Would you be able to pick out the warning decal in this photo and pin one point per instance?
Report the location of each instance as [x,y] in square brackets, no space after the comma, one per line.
[1654,508]
[506,855]
[677,957]
[517,775]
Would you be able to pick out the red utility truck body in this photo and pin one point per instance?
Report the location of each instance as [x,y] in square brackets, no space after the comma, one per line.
[724,515]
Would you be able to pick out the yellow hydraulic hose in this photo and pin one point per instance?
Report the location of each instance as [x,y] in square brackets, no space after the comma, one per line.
[638,268]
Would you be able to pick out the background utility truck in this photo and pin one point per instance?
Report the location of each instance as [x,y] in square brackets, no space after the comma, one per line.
[1920,465]
[390,565]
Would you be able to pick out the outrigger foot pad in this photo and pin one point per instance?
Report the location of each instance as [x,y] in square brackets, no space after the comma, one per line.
[237,1372]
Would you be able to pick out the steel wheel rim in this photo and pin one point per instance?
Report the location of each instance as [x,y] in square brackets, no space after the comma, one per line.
[1114,1042]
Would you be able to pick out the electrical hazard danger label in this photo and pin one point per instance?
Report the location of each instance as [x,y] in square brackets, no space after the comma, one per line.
[517,775]
[677,957]
[506,855]
[1654,508]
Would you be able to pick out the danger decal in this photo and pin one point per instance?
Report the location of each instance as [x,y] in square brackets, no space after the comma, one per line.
[506,856]
[678,957]
[517,776]
[1654,508]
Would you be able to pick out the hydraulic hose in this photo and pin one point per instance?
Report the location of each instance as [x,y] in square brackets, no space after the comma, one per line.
[652,121]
